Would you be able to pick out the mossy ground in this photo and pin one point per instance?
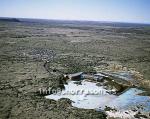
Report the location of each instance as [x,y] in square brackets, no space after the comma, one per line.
[69,48]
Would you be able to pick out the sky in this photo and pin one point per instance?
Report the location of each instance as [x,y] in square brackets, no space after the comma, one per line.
[136,11]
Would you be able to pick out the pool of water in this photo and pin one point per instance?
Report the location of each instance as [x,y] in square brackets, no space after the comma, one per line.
[85,95]
[88,95]
[130,99]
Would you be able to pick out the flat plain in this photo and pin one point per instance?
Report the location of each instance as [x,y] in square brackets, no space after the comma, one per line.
[70,46]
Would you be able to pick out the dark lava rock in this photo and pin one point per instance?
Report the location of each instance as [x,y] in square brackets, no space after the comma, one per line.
[109,109]
[134,110]
[78,83]
[126,112]
[139,116]
[99,84]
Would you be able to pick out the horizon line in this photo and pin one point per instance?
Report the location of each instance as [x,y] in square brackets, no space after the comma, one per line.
[80,20]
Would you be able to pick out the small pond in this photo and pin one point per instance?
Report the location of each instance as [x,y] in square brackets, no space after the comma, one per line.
[88,95]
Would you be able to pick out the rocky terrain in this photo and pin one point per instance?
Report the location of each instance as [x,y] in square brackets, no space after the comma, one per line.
[69,47]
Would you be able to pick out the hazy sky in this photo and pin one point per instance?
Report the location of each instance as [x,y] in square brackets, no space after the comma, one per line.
[100,10]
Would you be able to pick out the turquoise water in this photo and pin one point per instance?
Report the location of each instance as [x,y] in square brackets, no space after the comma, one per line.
[90,96]
[130,99]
